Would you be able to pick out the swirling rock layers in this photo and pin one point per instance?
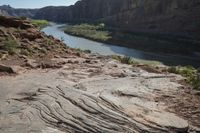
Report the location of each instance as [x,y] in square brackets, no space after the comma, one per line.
[78,98]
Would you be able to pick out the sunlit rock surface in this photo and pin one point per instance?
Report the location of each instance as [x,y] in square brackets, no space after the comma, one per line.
[100,96]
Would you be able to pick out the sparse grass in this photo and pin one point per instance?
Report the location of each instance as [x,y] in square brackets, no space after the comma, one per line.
[10,45]
[44,51]
[25,52]
[87,51]
[125,59]
[191,74]
[94,32]
[173,69]
[49,41]
[40,23]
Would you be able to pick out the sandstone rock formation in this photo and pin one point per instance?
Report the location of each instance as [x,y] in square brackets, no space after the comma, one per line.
[6,69]
[91,97]
[24,40]
[15,22]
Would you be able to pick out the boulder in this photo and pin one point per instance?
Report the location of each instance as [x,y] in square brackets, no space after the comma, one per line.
[6,69]
[15,22]
[32,34]
[31,63]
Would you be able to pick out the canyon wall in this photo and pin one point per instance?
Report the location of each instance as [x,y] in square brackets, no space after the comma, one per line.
[169,16]
[160,16]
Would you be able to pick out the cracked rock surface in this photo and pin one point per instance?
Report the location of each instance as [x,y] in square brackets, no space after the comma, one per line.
[102,96]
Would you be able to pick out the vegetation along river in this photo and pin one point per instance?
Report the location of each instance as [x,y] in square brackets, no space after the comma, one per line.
[110,49]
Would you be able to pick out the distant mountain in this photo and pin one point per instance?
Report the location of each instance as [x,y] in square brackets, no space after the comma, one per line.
[9,11]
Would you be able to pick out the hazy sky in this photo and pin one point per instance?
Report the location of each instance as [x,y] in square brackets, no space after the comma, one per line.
[36,3]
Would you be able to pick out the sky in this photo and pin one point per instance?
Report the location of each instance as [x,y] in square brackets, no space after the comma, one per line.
[36,3]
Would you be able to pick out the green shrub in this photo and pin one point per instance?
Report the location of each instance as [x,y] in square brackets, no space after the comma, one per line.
[124,59]
[191,74]
[173,69]
[187,71]
[94,32]
[78,50]
[40,23]
[195,81]
[10,45]
[116,57]
[87,51]
[49,42]
[24,52]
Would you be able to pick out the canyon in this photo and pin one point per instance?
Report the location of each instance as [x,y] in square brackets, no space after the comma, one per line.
[170,26]
[48,87]
[170,16]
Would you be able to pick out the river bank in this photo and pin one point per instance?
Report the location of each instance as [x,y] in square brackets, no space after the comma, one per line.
[149,42]
[56,30]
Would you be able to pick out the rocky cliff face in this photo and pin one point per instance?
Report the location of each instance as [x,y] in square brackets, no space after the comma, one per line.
[9,11]
[157,15]
[20,40]
[169,16]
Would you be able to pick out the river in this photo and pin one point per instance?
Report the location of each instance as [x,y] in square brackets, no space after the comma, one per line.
[109,49]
